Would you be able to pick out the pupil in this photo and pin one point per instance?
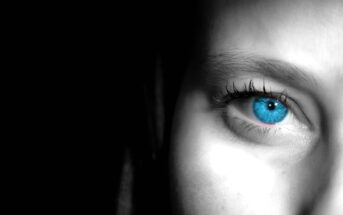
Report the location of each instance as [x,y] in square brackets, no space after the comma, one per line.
[271,105]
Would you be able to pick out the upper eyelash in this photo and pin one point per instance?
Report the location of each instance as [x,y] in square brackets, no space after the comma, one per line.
[249,91]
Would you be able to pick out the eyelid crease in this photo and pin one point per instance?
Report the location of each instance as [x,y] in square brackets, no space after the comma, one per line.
[220,67]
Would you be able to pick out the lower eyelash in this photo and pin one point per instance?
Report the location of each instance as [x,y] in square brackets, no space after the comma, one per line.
[240,126]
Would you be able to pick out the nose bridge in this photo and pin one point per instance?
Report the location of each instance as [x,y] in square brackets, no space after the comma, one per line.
[331,201]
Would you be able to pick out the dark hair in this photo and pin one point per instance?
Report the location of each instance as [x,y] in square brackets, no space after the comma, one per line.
[142,178]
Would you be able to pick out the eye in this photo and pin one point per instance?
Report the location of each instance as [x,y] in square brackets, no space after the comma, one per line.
[261,116]
[266,120]
[269,110]
[274,123]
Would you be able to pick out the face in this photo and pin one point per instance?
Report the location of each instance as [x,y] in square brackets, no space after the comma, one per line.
[259,123]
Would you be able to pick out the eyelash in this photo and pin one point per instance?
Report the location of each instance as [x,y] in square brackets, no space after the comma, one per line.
[248,92]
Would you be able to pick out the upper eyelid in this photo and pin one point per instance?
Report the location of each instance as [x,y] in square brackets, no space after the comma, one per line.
[229,65]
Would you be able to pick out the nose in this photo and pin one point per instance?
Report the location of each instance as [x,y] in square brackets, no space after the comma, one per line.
[331,200]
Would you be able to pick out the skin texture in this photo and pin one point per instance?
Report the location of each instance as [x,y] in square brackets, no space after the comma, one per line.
[218,169]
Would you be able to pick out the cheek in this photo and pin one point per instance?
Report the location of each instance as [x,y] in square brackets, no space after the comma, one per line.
[215,174]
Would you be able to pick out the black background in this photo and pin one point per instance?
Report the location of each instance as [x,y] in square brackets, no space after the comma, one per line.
[112,98]
[83,93]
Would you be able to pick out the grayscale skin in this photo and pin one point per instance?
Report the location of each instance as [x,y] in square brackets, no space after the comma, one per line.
[221,166]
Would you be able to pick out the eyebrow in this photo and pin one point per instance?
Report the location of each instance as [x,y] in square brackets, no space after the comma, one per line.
[225,66]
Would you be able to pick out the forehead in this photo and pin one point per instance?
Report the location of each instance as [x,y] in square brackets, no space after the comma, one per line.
[308,34]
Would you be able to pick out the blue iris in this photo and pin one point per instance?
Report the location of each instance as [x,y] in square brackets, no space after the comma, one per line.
[269,110]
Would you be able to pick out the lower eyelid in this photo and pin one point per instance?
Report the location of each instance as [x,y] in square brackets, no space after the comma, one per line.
[240,127]
[255,134]
[260,133]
